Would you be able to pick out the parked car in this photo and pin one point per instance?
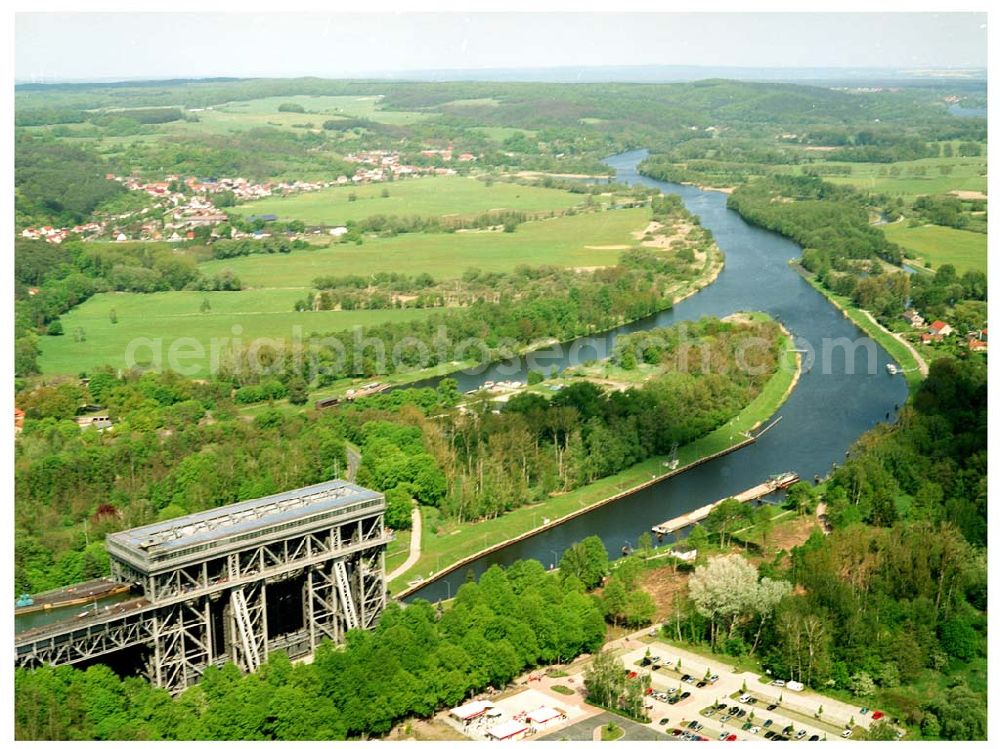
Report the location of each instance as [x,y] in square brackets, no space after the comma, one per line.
[799,734]
[676,732]
[654,659]
[713,678]
[769,735]
[664,721]
[695,725]
[722,706]
[846,734]
[745,698]
[723,735]
[701,684]
[814,737]
[733,710]
[731,737]
[773,706]
[685,695]
[656,666]
[778,682]
[752,701]
[768,723]
[725,718]
[755,729]
[747,726]
[878,715]
[741,713]
[787,731]
[687,678]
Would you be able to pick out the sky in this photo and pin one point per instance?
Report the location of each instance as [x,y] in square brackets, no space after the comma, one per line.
[63,46]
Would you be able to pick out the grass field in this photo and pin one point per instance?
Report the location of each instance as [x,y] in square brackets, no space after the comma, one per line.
[173,317]
[967,173]
[426,196]
[457,541]
[565,241]
[966,250]
[319,108]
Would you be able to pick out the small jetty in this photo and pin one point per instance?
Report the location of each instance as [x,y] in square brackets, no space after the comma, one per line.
[773,484]
[892,369]
[73,595]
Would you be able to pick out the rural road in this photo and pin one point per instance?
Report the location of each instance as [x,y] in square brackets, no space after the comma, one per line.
[353,461]
[414,547]
[921,364]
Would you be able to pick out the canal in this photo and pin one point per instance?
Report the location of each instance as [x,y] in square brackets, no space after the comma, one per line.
[844,389]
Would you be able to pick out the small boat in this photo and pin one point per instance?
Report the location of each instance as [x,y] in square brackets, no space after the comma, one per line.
[24,600]
[784,480]
[891,369]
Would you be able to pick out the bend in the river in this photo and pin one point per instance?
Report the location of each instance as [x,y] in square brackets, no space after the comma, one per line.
[839,396]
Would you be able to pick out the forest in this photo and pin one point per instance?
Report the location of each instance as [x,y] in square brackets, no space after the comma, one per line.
[891,606]
[181,446]
[419,659]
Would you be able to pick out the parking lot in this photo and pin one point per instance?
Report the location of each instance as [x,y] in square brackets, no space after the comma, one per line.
[766,710]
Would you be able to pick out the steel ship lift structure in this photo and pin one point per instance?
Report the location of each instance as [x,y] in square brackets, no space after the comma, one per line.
[206,581]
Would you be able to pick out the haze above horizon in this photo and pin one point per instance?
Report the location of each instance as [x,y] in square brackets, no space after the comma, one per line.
[97,47]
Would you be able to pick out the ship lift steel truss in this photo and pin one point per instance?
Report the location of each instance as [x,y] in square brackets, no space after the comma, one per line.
[343,587]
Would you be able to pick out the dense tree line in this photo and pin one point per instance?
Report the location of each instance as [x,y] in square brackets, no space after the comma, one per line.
[418,660]
[58,184]
[536,445]
[947,210]
[177,446]
[896,594]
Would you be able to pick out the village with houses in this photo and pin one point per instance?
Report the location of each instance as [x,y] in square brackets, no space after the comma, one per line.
[186,203]
[939,331]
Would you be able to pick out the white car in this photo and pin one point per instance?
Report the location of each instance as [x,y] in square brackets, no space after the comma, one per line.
[745,698]
[846,734]
[755,729]
[778,682]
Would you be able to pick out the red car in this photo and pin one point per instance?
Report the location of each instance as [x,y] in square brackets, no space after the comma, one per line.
[732,737]
[878,715]
[632,674]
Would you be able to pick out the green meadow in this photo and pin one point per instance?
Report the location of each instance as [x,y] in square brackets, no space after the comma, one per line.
[424,196]
[966,250]
[966,173]
[176,316]
[366,107]
[586,239]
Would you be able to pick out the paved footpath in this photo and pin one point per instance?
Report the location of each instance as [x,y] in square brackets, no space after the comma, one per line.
[414,556]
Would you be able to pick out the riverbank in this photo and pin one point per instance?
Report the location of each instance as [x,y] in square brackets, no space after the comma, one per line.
[714,264]
[461,544]
[914,366]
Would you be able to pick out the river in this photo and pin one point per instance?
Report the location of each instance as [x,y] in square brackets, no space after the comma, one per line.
[828,410]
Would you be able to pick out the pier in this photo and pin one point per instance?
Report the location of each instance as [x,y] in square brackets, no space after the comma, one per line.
[773,484]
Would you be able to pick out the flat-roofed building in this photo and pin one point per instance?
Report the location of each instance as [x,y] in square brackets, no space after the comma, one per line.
[234,583]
